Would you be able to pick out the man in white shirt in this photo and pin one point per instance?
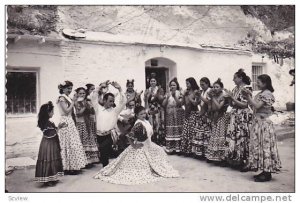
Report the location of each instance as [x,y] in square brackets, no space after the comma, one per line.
[106,119]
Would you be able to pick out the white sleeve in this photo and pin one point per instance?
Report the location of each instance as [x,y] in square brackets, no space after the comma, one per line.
[121,104]
[94,98]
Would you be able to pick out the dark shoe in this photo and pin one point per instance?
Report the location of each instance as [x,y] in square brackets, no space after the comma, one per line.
[66,172]
[202,158]
[263,177]
[73,172]
[244,169]
[53,183]
[49,184]
[209,161]
[259,174]
[222,164]
[88,166]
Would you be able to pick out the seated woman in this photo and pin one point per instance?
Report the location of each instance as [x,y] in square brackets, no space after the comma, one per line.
[125,122]
[141,162]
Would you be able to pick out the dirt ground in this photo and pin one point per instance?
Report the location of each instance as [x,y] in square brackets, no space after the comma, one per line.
[196,176]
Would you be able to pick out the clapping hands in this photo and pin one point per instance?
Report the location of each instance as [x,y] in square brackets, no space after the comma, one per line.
[228,93]
[137,145]
[105,84]
[139,94]
[246,91]
[75,97]
[116,85]
[211,93]
[197,93]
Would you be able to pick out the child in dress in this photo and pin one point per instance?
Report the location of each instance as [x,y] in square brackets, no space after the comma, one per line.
[49,163]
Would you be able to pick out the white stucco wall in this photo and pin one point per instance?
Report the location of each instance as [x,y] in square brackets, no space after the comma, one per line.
[45,58]
[93,62]
[97,62]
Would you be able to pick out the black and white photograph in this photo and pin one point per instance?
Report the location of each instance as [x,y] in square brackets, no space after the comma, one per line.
[149,98]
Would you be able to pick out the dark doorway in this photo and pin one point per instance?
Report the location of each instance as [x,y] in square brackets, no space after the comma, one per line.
[160,75]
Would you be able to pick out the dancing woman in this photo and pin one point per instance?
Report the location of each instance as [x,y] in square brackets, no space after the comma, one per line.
[141,162]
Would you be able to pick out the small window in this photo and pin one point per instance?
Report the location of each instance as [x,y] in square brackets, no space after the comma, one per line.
[256,71]
[21,94]
[154,62]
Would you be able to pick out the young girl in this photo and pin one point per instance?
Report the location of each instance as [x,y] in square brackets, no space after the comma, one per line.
[141,162]
[131,94]
[216,146]
[72,151]
[82,123]
[263,141]
[203,125]
[238,134]
[49,163]
[190,101]
[174,117]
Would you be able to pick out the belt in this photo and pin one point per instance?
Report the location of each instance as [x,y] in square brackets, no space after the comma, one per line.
[103,133]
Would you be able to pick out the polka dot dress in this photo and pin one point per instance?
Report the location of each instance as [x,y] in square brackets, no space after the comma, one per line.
[138,166]
[72,152]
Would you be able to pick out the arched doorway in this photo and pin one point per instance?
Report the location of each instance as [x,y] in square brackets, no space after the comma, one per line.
[164,70]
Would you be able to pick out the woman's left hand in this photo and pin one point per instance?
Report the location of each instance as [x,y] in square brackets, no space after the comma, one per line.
[62,125]
[138,145]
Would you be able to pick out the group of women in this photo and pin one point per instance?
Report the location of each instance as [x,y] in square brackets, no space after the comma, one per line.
[229,128]
[75,137]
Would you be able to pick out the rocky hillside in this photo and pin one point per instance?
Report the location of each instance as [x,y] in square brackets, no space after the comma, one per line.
[187,24]
[251,27]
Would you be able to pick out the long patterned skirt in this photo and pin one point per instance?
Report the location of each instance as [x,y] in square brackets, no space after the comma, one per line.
[49,164]
[216,146]
[174,124]
[238,137]
[72,152]
[138,166]
[201,137]
[157,120]
[88,142]
[263,146]
[189,132]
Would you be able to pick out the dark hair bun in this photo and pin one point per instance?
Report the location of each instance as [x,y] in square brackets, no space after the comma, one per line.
[241,70]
